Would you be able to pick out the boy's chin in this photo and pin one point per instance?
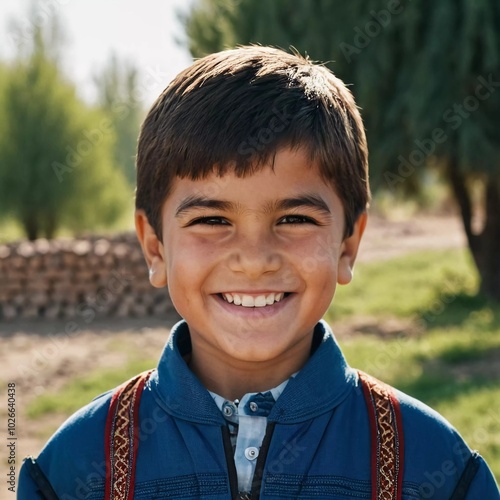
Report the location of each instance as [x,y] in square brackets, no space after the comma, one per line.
[260,348]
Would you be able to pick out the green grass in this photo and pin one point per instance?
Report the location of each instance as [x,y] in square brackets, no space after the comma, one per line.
[450,360]
[80,391]
[415,284]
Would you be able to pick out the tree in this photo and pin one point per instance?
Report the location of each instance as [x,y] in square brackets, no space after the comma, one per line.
[117,89]
[426,74]
[56,163]
[4,74]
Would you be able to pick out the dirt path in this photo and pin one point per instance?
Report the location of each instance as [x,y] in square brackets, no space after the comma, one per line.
[41,357]
[385,240]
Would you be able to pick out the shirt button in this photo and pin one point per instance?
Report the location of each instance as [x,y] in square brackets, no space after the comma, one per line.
[251,453]
[254,406]
[228,410]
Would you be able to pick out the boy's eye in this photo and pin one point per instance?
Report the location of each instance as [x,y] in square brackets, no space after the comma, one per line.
[209,221]
[296,219]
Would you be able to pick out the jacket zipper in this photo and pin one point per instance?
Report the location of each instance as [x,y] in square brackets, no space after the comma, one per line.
[259,466]
[231,466]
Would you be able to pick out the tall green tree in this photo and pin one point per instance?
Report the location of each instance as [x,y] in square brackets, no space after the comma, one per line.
[4,74]
[426,75]
[56,156]
[117,88]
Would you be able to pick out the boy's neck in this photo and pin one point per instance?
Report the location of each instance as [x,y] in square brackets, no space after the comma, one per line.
[234,380]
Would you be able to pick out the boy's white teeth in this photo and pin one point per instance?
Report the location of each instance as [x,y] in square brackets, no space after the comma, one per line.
[249,301]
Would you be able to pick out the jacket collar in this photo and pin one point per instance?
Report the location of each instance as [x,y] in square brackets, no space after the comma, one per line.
[322,384]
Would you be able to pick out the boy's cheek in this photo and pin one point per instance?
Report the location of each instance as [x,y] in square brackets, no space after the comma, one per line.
[318,259]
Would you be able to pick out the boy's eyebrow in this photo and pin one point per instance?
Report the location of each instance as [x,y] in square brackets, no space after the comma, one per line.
[307,200]
[203,202]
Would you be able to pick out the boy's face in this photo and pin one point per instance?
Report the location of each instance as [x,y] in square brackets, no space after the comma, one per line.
[274,238]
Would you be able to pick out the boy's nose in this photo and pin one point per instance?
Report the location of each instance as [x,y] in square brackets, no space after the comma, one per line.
[255,257]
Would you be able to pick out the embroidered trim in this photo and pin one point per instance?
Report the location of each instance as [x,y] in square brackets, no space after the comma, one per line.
[122,438]
[387,446]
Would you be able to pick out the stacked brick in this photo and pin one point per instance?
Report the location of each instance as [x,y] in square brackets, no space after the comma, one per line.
[87,277]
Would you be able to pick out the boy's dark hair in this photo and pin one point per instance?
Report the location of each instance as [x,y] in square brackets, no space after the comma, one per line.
[231,111]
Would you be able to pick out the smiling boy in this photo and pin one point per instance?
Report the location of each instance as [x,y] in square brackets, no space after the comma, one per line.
[252,189]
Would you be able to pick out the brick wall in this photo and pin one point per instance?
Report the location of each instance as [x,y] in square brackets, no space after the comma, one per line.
[67,278]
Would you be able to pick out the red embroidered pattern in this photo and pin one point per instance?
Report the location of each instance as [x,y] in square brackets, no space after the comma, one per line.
[387,438]
[122,438]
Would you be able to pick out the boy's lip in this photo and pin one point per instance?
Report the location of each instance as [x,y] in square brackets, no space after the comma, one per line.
[254,293]
[254,312]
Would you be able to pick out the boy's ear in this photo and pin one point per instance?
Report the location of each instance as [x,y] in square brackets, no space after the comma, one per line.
[349,250]
[153,250]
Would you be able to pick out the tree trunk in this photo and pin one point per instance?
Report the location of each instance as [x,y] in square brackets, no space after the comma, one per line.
[484,246]
[31,228]
[489,265]
[50,226]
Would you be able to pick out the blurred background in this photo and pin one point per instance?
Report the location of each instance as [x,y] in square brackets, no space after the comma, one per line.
[77,314]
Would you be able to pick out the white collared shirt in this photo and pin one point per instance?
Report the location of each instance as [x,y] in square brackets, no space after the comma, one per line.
[247,430]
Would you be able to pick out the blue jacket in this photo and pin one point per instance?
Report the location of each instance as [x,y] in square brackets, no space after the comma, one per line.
[320,446]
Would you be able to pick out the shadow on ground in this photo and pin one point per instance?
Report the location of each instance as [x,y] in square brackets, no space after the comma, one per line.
[455,309]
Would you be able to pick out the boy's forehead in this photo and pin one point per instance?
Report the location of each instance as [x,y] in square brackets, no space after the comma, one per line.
[287,170]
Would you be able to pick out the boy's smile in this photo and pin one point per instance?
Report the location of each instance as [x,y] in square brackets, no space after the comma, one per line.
[252,264]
